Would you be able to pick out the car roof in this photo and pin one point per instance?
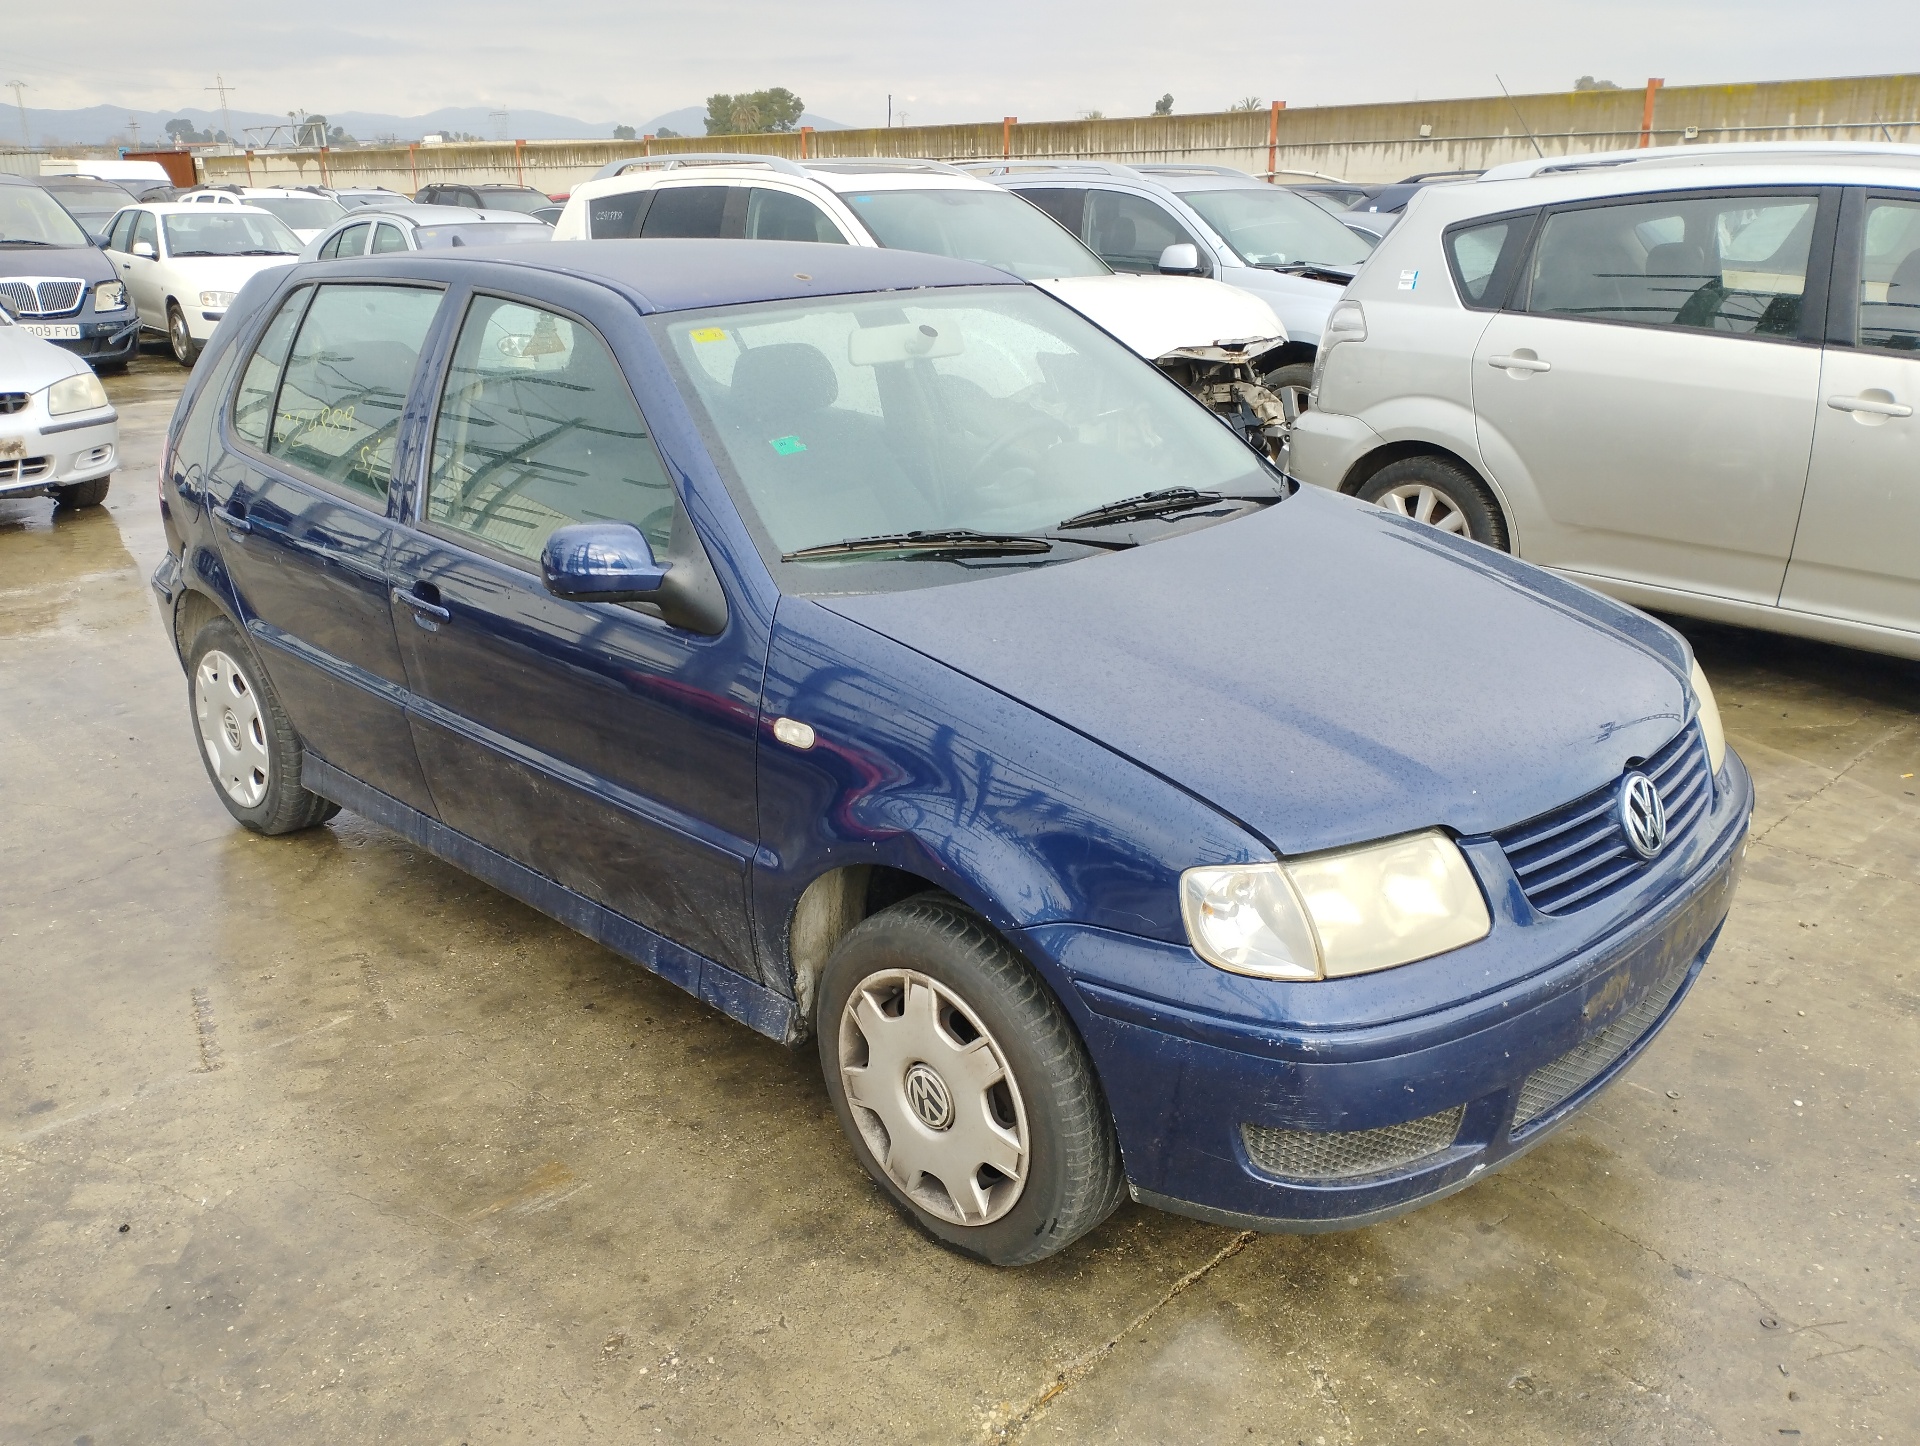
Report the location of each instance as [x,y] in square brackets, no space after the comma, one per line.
[189,208]
[424,213]
[684,275]
[641,173]
[1731,153]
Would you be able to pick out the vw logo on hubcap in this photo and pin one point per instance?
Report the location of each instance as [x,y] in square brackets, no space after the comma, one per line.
[927,1093]
[1643,818]
[232,725]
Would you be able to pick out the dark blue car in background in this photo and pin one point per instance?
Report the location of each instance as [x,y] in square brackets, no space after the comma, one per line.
[871,646]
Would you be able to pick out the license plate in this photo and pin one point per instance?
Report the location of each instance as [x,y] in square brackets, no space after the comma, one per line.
[52,330]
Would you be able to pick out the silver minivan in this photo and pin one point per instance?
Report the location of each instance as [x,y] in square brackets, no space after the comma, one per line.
[1686,377]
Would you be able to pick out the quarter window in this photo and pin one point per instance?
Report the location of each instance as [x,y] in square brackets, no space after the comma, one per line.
[1734,264]
[1475,253]
[254,405]
[346,383]
[537,429]
[1890,277]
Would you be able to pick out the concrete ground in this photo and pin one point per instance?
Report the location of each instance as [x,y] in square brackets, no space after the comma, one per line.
[315,1139]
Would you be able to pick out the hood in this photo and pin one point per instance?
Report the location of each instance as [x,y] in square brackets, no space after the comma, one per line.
[1155,315]
[1302,303]
[1321,672]
[86,263]
[27,363]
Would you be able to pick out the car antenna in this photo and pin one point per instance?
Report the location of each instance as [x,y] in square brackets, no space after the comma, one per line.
[1522,119]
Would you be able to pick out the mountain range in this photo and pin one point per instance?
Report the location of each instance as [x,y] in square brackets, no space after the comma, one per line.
[102,124]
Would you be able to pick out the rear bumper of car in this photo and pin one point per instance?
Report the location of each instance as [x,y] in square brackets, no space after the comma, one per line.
[1324,446]
[39,456]
[1299,1128]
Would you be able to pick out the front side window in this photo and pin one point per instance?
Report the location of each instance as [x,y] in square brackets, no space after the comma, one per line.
[1733,264]
[145,230]
[346,383]
[1270,226]
[538,429]
[1131,231]
[120,238]
[989,225]
[228,231]
[253,404]
[1890,276]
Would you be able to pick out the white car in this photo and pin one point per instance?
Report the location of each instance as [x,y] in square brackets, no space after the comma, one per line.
[182,264]
[305,213]
[59,435]
[1210,336]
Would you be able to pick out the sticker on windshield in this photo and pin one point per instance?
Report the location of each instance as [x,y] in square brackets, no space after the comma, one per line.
[708,333]
[1409,280]
[787,446]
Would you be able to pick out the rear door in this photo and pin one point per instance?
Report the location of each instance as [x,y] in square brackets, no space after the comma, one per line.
[1857,553]
[299,497]
[601,744]
[1647,405]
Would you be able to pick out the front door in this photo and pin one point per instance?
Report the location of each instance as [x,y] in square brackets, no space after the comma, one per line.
[598,743]
[299,496]
[1649,407]
[142,272]
[1857,554]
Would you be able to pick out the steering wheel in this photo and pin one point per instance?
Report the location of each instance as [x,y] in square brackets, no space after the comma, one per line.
[997,449]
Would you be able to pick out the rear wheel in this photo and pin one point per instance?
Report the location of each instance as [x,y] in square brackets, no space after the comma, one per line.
[248,746]
[967,1095]
[179,339]
[1440,493]
[83,494]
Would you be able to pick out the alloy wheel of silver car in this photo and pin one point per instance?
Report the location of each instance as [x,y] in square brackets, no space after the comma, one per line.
[1425,503]
[933,1096]
[232,730]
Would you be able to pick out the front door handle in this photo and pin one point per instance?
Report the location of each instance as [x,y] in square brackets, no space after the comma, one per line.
[1881,406]
[234,522]
[421,606]
[1519,364]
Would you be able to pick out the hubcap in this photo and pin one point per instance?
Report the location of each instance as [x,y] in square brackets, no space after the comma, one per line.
[232,729]
[1425,503]
[933,1097]
[182,339]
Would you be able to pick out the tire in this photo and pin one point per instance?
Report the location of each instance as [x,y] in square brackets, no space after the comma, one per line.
[1441,492]
[925,988]
[1291,384]
[251,753]
[82,494]
[179,339]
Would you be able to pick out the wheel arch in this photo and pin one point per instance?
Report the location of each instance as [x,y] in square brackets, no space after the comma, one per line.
[828,908]
[192,613]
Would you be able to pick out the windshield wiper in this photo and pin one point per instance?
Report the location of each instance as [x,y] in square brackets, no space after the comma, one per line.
[22,241]
[1163,503]
[949,541]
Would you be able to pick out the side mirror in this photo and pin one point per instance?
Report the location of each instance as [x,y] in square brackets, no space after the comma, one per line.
[601,562]
[1181,259]
[99,240]
[145,248]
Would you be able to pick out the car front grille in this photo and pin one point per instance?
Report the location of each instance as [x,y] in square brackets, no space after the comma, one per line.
[11,402]
[1578,854]
[1350,1154]
[23,469]
[36,296]
[1552,1084]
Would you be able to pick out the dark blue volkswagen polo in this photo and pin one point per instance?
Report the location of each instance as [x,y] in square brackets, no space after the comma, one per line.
[879,651]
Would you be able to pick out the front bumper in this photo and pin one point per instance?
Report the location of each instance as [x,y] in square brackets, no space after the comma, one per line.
[1204,1102]
[38,453]
[103,341]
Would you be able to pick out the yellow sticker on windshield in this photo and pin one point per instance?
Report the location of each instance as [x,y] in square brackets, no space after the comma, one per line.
[709,333]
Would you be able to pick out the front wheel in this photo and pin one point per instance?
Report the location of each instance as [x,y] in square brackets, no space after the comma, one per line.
[1292,384]
[1440,493]
[82,494]
[247,743]
[967,1095]
[179,338]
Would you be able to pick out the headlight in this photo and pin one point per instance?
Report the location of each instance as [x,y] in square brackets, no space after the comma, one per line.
[82,393]
[109,296]
[1330,915]
[1710,728]
[216,298]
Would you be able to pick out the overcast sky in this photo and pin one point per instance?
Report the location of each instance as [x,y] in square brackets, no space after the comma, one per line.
[629,60]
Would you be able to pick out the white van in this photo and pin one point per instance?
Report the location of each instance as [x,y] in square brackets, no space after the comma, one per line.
[144,172]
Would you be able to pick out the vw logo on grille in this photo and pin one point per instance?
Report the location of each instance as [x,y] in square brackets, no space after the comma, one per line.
[927,1093]
[1643,818]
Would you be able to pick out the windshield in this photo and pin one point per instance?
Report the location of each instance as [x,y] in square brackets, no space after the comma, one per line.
[513,200]
[353,202]
[1268,226]
[228,231]
[89,202]
[302,213]
[994,409]
[30,217]
[995,227]
[482,233]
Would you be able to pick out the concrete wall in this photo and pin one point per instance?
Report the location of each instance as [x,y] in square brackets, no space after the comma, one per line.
[1354,142]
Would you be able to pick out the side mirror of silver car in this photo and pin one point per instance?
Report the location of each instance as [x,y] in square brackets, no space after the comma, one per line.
[1181,259]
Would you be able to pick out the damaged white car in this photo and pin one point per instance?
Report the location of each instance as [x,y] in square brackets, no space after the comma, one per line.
[1212,337]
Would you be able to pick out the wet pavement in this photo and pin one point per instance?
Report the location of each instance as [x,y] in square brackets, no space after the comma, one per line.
[316,1139]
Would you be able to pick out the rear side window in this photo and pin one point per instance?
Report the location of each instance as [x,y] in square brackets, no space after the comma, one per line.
[387,237]
[537,429]
[1482,256]
[350,242]
[346,383]
[782,216]
[617,215]
[689,211]
[1066,204]
[254,405]
[1734,264]
[1890,276]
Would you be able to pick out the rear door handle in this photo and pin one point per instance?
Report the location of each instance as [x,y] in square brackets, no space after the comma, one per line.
[235,522]
[1888,408]
[1519,364]
[421,605]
